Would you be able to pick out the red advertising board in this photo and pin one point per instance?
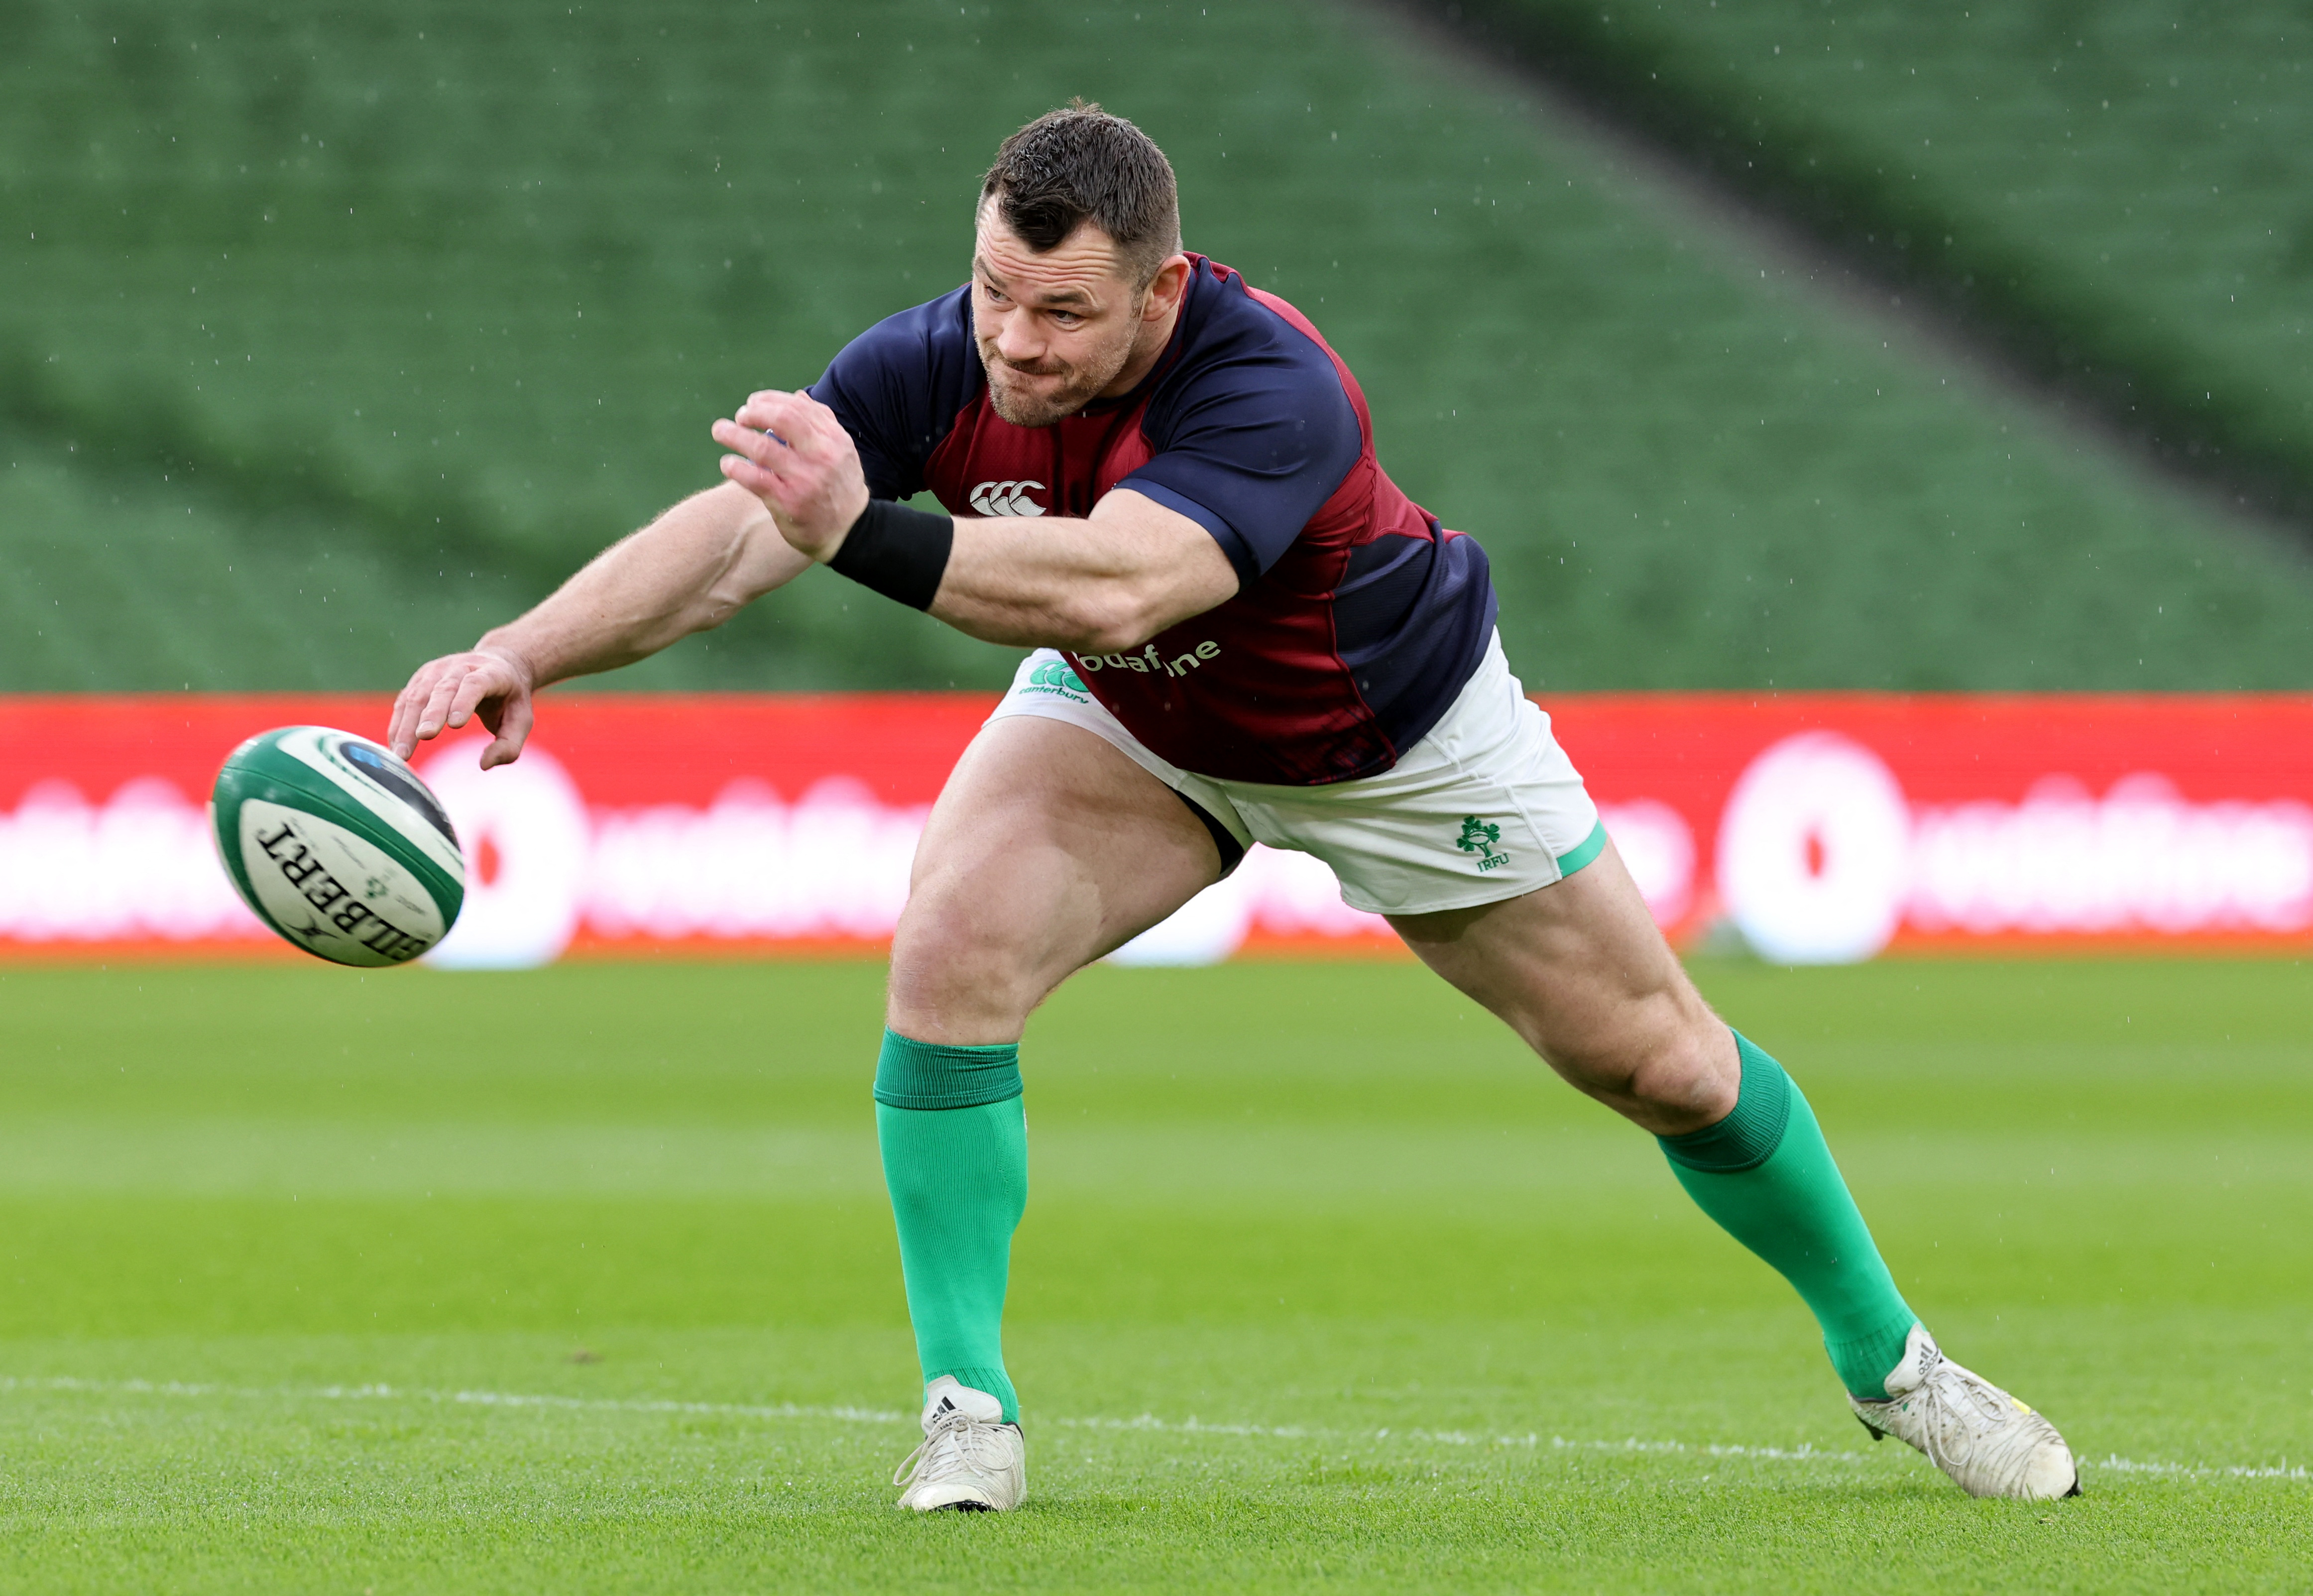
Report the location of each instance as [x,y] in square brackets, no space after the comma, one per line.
[1828,824]
[1821,827]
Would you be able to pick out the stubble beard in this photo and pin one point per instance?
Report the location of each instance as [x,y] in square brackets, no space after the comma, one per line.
[1079,386]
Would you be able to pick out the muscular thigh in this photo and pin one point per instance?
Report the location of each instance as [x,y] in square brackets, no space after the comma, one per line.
[1578,969]
[1048,849]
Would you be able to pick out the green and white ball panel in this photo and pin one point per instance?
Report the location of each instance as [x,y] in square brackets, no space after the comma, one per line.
[338,846]
[368,774]
[332,890]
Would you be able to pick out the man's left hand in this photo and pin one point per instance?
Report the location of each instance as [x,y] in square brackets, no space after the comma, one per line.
[790,451]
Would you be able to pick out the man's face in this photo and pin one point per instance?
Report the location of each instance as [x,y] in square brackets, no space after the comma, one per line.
[1055,328]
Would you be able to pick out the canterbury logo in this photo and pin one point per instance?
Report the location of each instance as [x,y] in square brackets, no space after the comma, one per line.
[1005,498]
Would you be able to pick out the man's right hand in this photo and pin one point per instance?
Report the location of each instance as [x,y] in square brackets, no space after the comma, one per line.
[790,451]
[446,693]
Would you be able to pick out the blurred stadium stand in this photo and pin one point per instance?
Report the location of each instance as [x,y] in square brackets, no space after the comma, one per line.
[334,332]
[2121,196]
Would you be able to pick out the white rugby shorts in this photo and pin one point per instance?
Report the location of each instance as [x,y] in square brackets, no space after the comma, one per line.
[1486,807]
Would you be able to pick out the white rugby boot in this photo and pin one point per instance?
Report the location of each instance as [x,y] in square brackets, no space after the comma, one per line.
[970,1460]
[1987,1442]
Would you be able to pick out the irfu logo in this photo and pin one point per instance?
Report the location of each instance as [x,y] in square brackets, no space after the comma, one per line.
[1479,837]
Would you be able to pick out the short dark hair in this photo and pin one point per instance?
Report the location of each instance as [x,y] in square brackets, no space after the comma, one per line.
[1079,162]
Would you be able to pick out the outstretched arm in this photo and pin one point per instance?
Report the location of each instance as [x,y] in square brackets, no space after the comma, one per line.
[1107,582]
[692,569]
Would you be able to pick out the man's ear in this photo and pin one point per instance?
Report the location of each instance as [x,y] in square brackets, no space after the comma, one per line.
[1167,289]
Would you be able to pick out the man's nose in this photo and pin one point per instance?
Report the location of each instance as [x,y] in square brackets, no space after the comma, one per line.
[1016,340]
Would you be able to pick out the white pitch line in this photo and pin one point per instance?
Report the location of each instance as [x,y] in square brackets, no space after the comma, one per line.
[1534,1440]
[401,1393]
[1146,1422]
[2285,1470]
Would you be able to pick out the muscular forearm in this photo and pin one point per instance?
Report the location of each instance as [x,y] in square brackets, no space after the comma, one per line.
[691,569]
[1108,583]
[1111,581]
[1041,584]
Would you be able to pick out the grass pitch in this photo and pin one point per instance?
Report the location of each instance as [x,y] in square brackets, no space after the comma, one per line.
[582,1280]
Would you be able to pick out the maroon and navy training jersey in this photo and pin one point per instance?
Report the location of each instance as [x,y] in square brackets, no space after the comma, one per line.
[1357,617]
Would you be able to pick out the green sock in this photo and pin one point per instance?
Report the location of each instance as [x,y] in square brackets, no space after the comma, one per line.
[955,1138]
[1765,1174]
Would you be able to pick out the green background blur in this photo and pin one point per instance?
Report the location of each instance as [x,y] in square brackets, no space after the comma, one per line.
[334,333]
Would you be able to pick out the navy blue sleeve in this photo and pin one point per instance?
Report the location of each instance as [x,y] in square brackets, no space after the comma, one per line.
[1258,435]
[897,387]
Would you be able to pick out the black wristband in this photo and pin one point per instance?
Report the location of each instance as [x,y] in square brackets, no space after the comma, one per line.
[901,553]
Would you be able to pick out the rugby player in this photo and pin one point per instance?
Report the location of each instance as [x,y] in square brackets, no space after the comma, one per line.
[1162,480]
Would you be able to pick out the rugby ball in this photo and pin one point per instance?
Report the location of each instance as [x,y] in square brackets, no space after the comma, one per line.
[338,846]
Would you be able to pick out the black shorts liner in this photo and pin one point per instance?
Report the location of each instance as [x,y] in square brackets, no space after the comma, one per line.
[1232,850]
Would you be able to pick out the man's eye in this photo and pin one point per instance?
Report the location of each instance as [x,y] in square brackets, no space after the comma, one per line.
[1066,318]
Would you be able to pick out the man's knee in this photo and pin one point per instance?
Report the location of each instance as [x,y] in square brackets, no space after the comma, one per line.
[956,970]
[1662,1057]
[1692,1080]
